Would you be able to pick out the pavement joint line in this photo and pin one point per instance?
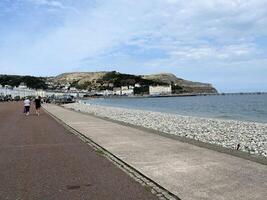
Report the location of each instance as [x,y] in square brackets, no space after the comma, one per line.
[156,189]
[258,159]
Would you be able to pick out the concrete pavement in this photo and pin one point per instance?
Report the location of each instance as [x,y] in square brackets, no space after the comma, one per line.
[186,170]
[41,160]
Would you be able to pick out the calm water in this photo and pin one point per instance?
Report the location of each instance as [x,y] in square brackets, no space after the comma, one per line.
[239,107]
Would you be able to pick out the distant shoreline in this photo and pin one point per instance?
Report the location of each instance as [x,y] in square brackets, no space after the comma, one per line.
[175,95]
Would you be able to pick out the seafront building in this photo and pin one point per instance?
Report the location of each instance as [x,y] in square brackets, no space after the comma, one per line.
[123,90]
[137,85]
[64,93]
[160,90]
[116,91]
[127,90]
[21,91]
[105,92]
[41,93]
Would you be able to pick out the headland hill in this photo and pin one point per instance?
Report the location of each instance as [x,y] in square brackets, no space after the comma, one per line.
[104,83]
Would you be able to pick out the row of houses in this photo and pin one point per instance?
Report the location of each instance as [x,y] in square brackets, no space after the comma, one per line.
[129,91]
[26,92]
[23,91]
[123,90]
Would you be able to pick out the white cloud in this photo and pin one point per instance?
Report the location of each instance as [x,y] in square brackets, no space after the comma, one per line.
[47,3]
[160,25]
[224,53]
[53,4]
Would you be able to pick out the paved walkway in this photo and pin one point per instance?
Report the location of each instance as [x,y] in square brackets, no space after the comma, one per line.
[188,171]
[41,160]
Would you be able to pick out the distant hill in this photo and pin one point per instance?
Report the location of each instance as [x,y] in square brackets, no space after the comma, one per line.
[103,80]
[107,80]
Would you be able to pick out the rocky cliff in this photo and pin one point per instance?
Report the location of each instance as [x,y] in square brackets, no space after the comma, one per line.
[187,86]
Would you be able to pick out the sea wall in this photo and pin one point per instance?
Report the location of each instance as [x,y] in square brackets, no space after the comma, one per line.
[251,136]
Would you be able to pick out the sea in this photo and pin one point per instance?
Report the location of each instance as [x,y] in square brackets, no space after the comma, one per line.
[243,107]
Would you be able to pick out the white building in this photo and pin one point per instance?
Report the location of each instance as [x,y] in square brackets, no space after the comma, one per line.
[1,90]
[69,93]
[160,90]
[54,93]
[105,92]
[17,91]
[117,91]
[22,91]
[73,89]
[137,85]
[41,93]
[66,86]
[125,90]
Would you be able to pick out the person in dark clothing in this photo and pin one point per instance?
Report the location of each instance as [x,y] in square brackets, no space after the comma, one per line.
[37,102]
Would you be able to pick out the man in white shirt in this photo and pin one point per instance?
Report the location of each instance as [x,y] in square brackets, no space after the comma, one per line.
[27,104]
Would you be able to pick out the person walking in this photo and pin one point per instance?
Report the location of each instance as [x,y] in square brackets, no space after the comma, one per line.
[37,102]
[27,104]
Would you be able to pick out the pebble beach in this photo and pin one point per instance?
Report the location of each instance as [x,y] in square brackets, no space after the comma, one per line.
[251,136]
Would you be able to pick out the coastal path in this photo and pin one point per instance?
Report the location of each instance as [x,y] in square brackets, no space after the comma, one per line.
[188,171]
[41,160]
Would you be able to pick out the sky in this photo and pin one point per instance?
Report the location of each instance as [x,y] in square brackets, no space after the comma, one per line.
[222,42]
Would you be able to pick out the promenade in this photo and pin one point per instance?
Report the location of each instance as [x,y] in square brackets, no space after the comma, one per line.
[41,160]
[186,170]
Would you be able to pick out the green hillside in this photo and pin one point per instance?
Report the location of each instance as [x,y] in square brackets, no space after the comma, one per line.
[30,81]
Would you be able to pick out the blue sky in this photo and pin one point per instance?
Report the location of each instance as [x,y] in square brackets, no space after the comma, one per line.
[223,42]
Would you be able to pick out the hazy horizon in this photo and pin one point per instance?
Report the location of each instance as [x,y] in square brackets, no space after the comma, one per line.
[214,41]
